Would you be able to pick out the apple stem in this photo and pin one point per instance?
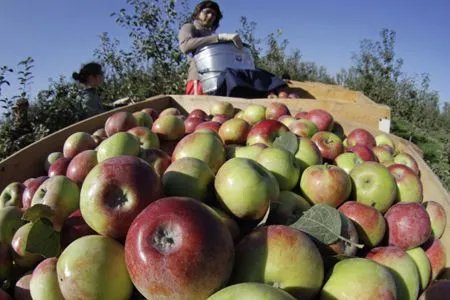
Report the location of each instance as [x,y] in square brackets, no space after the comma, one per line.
[360,246]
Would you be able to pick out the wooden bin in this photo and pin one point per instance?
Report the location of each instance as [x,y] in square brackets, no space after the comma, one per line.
[29,162]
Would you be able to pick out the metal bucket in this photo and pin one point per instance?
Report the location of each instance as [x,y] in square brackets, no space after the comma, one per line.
[213,59]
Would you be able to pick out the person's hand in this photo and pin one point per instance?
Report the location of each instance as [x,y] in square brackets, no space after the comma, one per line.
[233,37]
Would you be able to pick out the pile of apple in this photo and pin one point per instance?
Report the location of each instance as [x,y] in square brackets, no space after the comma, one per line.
[225,204]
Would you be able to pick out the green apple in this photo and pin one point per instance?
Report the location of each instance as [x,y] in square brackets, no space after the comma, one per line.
[287,120]
[93,267]
[22,258]
[347,161]
[169,128]
[280,256]
[359,278]
[423,265]
[120,143]
[250,152]
[402,267]
[205,146]
[22,288]
[250,291]
[325,184]
[373,185]
[78,142]
[307,154]
[188,177]
[303,127]
[143,119]
[288,209]
[221,108]
[407,160]
[12,195]
[61,194]
[282,164]
[384,139]
[409,185]
[44,281]
[382,154]
[254,113]
[10,222]
[245,188]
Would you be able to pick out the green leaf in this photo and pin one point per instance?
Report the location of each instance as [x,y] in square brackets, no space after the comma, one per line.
[38,211]
[321,221]
[287,141]
[43,239]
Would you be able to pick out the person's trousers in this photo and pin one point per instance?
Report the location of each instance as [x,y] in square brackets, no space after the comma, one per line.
[194,87]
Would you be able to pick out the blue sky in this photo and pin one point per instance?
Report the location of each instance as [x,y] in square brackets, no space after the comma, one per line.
[61,35]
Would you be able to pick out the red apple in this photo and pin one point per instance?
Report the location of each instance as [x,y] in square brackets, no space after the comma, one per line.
[29,191]
[275,110]
[152,112]
[438,217]
[51,158]
[362,151]
[303,127]
[266,132]
[191,123]
[59,167]
[209,125]
[78,142]
[272,96]
[221,118]
[81,165]
[157,159]
[369,222]
[169,128]
[407,160]
[302,115]
[73,228]
[325,184]
[5,296]
[178,249]
[321,118]
[198,113]
[234,131]
[409,185]
[119,121]
[436,253]
[147,139]
[408,225]
[329,144]
[23,258]
[293,95]
[22,288]
[438,290]
[361,136]
[115,192]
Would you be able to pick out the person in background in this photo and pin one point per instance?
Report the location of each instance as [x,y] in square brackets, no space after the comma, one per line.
[91,77]
[198,33]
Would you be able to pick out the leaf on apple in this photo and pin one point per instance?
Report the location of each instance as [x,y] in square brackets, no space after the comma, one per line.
[43,239]
[321,221]
[287,141]
[38,211]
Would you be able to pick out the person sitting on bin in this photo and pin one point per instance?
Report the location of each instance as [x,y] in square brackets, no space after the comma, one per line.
[198,33]
[91,77]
